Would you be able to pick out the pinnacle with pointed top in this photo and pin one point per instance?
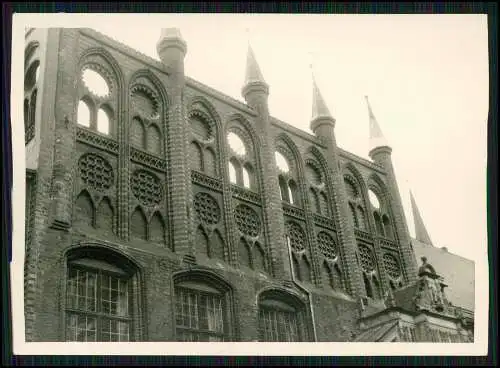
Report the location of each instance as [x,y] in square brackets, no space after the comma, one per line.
[254,80]
[253,73]
[320,112]
[377,138]
[319,108]
[421,233]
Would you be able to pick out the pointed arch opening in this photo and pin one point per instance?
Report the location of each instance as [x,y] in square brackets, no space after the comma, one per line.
[138,225]
[244,253]
[157,229]
[259,257]
[217,246]
[105,216]
[201,246]
[84,210]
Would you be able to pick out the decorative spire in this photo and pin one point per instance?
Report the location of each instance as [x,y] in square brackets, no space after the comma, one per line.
[319,108]
[253,73]
[421,233]
[320,112]
[377,138]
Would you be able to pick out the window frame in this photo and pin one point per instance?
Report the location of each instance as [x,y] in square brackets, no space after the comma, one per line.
[198,281]
[99,316]
[282,304]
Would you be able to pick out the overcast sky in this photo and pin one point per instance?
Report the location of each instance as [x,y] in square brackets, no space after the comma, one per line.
[426,77]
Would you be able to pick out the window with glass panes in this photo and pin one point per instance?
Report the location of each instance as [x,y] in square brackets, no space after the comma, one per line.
[97,306]
[200,315]
[279,322]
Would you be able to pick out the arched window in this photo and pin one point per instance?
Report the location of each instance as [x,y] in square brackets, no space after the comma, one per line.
[102,302]
[287,177]
[355,201]
[241,156]
[202,308]
[30,91]
[281,318]
[95,100]
[83,115]
[204,135]
[233,172]
[380,209]
[146,109]
[317,188]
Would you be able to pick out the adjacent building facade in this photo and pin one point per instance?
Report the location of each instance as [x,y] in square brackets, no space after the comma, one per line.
[159,209]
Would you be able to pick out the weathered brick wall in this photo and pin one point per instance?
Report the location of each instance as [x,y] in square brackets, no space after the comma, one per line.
[57,225]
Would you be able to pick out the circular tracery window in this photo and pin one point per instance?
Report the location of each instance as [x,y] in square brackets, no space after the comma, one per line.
[366,255]
[146,188]
[96,172]
[206,208]
[391,265]
[296,236]
[327,245]
[247,220]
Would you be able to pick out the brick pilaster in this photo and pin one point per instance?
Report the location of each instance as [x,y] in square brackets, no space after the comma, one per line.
[382,157]
[345,227]
[256,95]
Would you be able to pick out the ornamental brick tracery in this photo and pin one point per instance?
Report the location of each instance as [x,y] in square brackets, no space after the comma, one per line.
[146,188]
[96,172]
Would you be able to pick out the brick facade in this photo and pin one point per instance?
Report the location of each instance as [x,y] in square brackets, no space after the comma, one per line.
[168,217]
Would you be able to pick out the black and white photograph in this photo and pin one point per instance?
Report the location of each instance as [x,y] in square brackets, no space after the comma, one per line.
[259,179]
